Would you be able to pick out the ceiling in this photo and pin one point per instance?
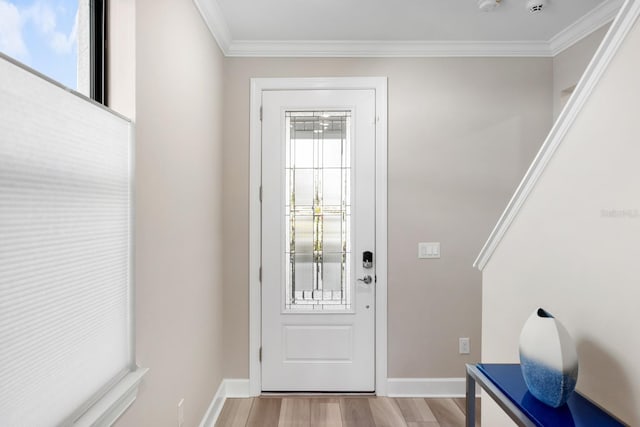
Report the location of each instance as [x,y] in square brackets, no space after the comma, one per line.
[400,27]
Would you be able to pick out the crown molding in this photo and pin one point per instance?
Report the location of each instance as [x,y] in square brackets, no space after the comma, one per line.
[592,21]
[217,24]
[214,19]
[340,48]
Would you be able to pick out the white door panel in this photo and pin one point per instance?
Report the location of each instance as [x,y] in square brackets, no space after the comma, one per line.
[318,217]
[317,343]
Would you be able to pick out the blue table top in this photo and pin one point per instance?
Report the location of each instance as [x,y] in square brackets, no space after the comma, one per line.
[577,412]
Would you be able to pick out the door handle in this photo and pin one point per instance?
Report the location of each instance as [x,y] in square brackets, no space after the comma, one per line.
[366,279]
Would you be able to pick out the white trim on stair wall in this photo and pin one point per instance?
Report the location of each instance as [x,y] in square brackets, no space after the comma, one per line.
[614,38]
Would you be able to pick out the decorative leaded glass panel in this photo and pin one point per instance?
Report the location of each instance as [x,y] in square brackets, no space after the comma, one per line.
[317,210]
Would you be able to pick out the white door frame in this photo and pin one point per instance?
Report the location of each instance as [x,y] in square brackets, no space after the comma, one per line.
[258,85]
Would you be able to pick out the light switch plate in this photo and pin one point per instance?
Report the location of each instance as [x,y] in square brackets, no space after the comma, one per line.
[428,250]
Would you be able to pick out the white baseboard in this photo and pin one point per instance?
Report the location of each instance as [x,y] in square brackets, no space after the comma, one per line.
[235,387]
[426,387]
[211,416]
[228,388]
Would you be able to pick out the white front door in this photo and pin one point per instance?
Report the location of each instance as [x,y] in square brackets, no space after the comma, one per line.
[318,240]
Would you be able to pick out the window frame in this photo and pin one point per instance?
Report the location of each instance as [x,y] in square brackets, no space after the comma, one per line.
[95,72]
[99,25]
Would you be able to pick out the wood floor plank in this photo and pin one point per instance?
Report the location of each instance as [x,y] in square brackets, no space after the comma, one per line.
[415,410]
[265,412]
[447,412]
[386,413]
[295,412]
[235,413]
[325,412]
[462,404]
[356,412]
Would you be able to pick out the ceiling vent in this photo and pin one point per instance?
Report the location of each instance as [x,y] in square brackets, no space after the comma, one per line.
[535,6]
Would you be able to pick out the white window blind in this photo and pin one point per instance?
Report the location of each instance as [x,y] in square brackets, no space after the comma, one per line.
[65,250]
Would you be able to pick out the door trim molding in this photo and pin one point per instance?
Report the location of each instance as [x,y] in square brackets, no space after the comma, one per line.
[258,85]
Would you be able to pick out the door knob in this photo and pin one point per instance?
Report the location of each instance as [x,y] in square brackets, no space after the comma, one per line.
[366,279]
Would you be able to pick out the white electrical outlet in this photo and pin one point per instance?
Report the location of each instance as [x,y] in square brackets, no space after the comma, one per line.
[463,346]
[181,412]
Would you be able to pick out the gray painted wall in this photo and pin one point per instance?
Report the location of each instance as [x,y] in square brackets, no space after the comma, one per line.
[172,82]
[462,132]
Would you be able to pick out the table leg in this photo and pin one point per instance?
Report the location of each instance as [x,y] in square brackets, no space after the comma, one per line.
[471,402]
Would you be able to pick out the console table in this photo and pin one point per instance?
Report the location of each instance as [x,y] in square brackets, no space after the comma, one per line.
[505,384]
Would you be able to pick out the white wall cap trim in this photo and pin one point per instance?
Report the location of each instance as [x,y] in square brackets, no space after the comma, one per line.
[374,48]
[614,38]
[427,387]
[592,21]
[113,404]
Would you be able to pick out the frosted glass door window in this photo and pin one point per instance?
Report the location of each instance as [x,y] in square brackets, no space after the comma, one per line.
[317,211]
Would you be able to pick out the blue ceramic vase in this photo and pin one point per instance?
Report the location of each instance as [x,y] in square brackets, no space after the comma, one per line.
[548,359]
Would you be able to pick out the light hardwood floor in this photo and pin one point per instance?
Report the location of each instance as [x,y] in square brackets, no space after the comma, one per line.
[303,411]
